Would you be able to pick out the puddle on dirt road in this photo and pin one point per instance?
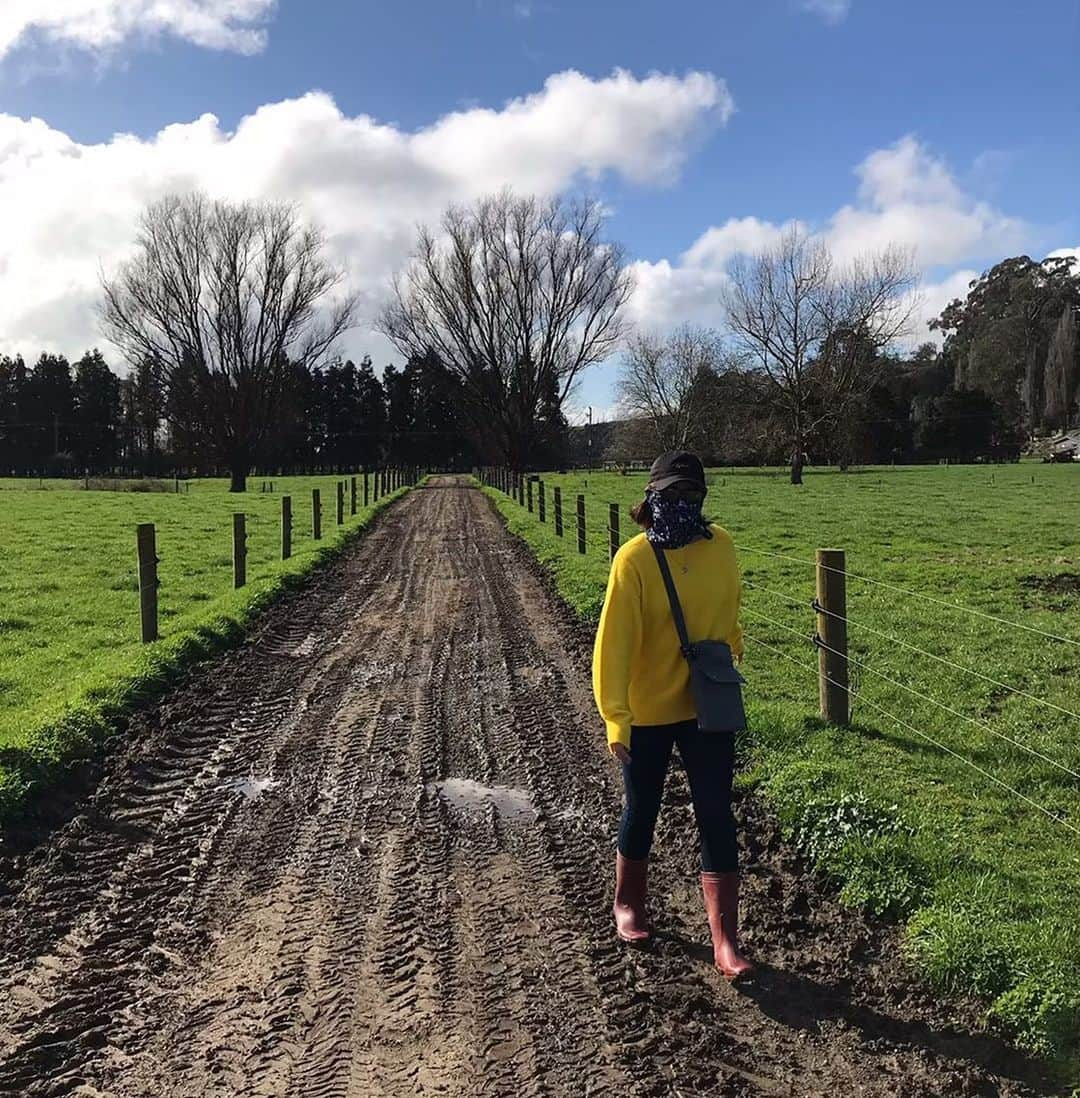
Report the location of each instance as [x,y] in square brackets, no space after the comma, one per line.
[514,804]
[252,788]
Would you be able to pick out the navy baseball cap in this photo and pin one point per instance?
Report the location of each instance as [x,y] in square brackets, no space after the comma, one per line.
[676,468]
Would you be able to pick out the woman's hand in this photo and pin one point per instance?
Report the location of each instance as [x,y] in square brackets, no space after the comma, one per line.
[621,753]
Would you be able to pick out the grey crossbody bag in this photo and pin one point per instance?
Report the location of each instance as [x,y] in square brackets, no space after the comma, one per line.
[714,680]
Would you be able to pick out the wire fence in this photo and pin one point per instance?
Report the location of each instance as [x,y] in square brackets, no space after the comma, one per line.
[930,739]
[604,537]
[346,498]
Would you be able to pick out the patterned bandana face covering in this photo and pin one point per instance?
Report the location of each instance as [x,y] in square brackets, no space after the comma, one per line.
[675,522]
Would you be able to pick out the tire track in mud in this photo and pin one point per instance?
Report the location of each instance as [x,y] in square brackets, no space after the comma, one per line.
[289,887]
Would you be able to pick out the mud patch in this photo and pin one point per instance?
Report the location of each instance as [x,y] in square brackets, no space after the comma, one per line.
[1063,583]
[1058,592]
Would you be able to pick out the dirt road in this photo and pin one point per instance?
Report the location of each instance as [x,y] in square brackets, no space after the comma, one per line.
[369,853]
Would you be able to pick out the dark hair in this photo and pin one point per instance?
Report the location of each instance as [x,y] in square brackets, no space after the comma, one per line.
[641,513]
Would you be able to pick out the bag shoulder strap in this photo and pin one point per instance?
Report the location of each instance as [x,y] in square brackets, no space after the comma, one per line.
[673,598]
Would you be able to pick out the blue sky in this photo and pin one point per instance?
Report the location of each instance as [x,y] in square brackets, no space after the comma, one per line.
[971,109]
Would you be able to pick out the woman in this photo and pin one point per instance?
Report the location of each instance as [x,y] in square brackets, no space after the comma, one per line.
[641,681]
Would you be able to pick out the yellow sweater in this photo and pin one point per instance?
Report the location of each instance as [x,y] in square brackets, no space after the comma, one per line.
[639,673]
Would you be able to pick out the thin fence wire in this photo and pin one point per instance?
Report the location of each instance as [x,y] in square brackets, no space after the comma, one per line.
[930,739]
[755,586]
[914,594]
[818,642]
[859,624]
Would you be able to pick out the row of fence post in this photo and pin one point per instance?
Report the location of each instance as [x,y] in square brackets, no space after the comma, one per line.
[830,605]
[375,485]
[519,486]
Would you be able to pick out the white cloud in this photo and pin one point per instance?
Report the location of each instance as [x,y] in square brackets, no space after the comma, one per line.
[67,209]
[104,24]
[933,297]
[908,197]
[1073,253]
[740,235]
[832,11]
[905,196]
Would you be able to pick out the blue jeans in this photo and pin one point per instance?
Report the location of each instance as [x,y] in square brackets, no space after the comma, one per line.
[709,758]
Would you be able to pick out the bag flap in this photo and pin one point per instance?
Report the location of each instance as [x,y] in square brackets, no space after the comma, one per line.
[714,660]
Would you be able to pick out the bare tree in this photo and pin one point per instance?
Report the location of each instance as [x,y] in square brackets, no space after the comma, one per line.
[665,382]
[517,296]
[812,328]
[225,296]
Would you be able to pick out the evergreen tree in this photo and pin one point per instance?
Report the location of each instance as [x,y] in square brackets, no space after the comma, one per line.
[97,413]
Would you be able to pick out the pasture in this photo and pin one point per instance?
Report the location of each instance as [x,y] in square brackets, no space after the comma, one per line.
[71,656]
[953,800]
[951,803]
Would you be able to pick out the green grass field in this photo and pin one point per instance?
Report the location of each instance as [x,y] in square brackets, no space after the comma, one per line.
[71,657]
[893,808]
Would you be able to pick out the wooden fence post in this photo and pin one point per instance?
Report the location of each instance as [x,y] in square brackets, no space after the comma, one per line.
[529,494]
[286,527]
[831,639]
[542,501]
[148,581]
[239,550]
[352,496]
[367,489]
[613,530]
[558,511]
[340,502]
[316,514]
[521,489]
[581,524]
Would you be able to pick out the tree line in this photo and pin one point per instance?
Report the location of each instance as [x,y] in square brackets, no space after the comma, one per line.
[62,419]
[227,315]
[806,369]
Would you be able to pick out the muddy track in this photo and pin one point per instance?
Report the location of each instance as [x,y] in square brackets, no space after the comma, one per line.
[289,886]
